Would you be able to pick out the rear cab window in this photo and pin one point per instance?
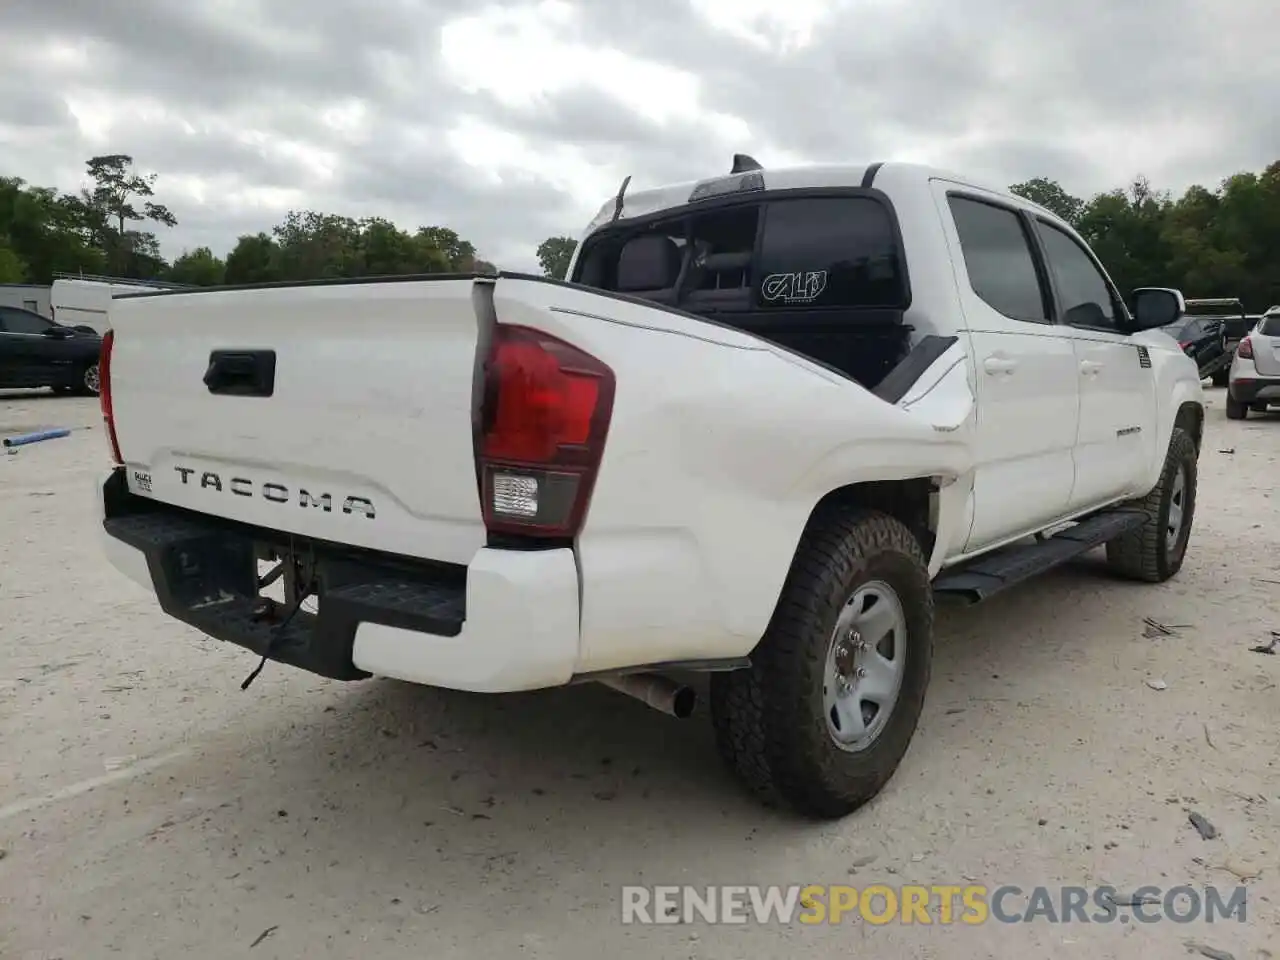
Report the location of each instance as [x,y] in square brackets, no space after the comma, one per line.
[777,253]
[836,252]
[819,272]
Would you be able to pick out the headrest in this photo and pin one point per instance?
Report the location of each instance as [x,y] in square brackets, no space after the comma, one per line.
[648,262]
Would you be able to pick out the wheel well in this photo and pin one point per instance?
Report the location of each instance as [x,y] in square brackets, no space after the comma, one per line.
[1191,419]
[911,501]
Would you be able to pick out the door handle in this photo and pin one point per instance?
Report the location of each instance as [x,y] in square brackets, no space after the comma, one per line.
[998,365]
[1089,368]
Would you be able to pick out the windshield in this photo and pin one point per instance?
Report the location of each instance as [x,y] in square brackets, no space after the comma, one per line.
[1182,330]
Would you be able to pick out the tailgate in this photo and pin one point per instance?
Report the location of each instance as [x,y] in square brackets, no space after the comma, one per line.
[336,411]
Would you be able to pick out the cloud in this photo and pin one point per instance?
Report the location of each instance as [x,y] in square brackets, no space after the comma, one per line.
[511,121]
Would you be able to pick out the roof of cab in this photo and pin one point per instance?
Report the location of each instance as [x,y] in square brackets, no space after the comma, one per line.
[639,203]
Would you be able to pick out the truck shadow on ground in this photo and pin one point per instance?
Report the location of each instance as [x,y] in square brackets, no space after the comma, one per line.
[518,789]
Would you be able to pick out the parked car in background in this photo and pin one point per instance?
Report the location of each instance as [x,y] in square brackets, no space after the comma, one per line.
[1254,382]
[38,352]
[1210,338]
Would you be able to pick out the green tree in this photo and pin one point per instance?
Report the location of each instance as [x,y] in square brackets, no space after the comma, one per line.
[254,259]
[111,206]
[199,268]
[554,254]
[1050,195]
[459,254]
[12,269]
[43,230]
[1127,230]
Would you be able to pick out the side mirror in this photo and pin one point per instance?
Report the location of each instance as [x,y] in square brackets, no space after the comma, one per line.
[1156,307]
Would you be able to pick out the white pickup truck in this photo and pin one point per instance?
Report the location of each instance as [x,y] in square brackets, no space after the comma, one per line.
[770,417]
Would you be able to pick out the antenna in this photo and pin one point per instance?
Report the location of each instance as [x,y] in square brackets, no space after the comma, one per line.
[617,203]
[743,162]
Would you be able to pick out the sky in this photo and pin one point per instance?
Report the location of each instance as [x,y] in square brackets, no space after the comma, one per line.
[513,121]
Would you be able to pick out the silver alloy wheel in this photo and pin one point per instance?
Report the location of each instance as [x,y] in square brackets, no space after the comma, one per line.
[1177,507]
[866,661]
[91,381]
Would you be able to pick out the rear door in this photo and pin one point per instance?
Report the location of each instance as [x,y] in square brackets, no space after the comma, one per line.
[336,411]
[1024,369]
[1117,393]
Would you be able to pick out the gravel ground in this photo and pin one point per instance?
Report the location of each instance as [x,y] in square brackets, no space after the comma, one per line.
[149,808]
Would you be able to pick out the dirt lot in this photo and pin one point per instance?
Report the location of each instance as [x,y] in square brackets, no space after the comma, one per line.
[149,808]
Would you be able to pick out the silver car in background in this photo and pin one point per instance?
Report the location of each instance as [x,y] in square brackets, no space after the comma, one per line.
[1254,382]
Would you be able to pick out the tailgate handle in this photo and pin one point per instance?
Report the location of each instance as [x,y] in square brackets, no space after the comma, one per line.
[241,373]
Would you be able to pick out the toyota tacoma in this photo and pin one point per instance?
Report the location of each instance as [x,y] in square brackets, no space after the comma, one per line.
[767,420]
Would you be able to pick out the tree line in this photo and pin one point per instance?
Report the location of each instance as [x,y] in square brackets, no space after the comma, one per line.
[1221,242]
[109,227]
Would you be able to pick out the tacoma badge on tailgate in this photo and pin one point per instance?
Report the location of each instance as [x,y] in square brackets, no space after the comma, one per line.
[274,492]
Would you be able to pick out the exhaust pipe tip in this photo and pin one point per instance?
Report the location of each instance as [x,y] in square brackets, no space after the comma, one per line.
[659,692]
[683,702]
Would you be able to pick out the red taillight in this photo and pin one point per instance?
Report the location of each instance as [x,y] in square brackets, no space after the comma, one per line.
[104,394]
[1183,344]
[1245,349]
[543,420]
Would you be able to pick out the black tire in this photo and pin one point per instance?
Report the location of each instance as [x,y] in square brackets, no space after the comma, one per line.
[1146,553]
[771,718]
[1236,410]
[1220,378]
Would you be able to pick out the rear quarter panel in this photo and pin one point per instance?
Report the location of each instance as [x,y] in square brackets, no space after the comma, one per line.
[718,450]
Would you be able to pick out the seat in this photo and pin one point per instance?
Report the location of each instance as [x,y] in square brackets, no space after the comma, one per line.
[649,267]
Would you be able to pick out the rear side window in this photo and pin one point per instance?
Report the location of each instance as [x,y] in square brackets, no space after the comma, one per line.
[829,252]
[997,257]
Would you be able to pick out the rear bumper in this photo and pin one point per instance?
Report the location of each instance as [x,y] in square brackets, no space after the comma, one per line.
[1255,390]
[508,621]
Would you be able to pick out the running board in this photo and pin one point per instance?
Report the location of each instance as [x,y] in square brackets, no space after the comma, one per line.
[996,571]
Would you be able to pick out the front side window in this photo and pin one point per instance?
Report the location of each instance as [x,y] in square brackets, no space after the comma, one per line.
[1084,296]
[997,257]
[829,252]
[19,321]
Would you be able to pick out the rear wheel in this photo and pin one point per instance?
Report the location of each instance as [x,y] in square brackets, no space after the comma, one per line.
[1236,410]
[1154,551]
[825,713]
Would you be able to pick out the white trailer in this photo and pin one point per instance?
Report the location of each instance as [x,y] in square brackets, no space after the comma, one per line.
[82,300]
